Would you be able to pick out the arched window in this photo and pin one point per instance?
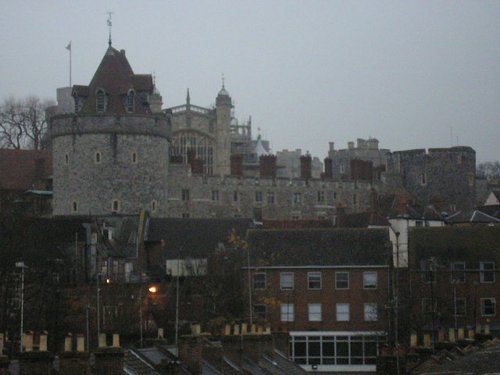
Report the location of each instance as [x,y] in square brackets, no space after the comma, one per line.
[130,101]
[100,101]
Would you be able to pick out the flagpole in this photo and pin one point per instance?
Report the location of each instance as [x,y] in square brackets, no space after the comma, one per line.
[68,47]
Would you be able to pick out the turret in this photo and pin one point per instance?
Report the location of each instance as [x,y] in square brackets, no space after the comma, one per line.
[223,106]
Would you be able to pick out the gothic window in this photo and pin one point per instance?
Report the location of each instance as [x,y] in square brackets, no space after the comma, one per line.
[97,157]
[131,101]
[101,101]
[74,206]
[134,157]
[202,146]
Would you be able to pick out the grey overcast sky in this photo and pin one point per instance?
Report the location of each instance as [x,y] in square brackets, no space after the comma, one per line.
[414,74]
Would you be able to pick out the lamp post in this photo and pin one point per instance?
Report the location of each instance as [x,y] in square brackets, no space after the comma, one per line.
[22,266]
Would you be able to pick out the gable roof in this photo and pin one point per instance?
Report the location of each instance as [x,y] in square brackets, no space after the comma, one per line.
[116,77]
[24,169]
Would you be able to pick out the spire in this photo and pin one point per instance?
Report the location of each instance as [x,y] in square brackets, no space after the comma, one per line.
[188,98]
[109,26]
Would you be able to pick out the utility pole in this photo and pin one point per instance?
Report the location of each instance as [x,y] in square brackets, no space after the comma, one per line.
[22,266]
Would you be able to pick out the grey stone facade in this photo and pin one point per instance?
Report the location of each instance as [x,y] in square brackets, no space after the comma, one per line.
[198,196]
[444,177]
[109,163]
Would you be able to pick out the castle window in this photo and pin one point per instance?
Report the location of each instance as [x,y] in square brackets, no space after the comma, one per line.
[74,207]
[423,179]
[101,101]
[185,194]
[115,205]
[154,206]
[235,196]
[215,195]
[66,159]
[297,198]
[185,215]
[131,101]
[97,157]
[134,157]
[321,196]
[270,197]
[258,196]
[354,199]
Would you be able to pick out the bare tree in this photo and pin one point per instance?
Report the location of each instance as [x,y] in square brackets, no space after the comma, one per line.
[23,122]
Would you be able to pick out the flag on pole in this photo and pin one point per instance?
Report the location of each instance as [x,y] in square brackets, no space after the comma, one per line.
[68,47]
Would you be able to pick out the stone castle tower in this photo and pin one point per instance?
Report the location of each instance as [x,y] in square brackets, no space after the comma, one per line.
[110,153]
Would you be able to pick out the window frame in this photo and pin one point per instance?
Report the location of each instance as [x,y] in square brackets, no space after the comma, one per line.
[318,282]
[483,271]
[287,312]
[258,196]
[337,281]
[370,315]
[256,284]
[185,195]
[483,306]
[342,316]
[261,314]
[315,312]
[365,284]
[283,275]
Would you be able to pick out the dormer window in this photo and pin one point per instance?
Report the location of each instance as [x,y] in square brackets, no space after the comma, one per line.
[130,101]
[100,101]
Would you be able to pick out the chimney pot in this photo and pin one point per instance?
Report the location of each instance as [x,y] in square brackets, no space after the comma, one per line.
[116,340]
[28,341]
[68,340]
[102,340]
[80,343]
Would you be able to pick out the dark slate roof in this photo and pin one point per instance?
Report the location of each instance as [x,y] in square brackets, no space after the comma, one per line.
[476,216]
[362,220]
[319,247]
[465,243]
[194,237]
[116,77]
[24,169]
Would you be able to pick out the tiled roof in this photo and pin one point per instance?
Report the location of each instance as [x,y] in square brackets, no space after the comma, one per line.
[323,247]
[24,169]
[115,76]
[194,237]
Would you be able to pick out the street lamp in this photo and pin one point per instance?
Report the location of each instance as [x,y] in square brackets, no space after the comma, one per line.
[152,290]
[22,266]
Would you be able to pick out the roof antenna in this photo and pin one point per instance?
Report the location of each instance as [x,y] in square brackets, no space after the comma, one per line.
[109,25]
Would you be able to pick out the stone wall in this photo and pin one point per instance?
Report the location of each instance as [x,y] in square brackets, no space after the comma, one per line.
[101,159]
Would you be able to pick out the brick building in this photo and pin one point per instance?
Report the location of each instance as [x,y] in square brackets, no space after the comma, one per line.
[327,289]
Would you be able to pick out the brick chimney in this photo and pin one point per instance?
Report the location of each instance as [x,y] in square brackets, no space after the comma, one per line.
[109,360]
[305,167]
[71,361]
[361,170]
[268,166]
[328,168]
[237,165]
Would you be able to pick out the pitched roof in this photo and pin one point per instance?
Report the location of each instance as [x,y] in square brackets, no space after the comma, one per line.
[319,247]
[195,238]
[116,77]
[24,169]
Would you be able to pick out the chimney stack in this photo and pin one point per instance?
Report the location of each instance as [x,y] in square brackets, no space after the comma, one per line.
[268,166]
[305,167]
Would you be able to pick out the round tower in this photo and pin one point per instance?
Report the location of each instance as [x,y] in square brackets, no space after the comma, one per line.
[110,154]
